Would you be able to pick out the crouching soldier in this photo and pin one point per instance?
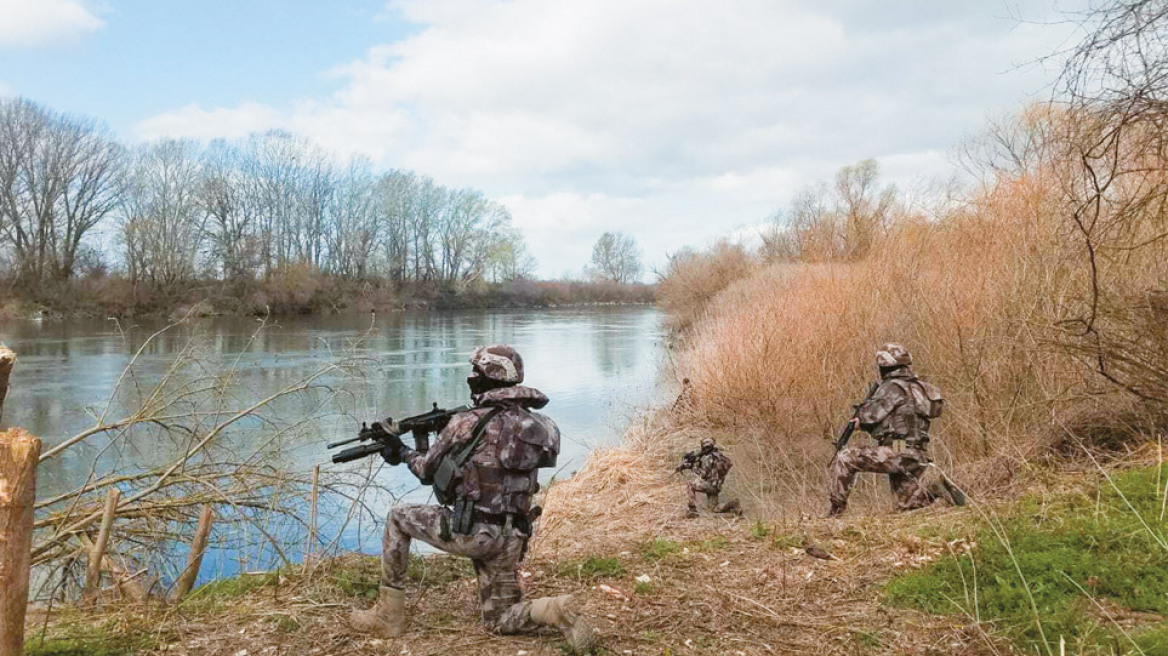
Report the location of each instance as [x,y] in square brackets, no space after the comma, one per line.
[711,467]
[483,468]
[899,408]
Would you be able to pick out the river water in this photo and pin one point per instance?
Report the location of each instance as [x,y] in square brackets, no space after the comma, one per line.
[599,366]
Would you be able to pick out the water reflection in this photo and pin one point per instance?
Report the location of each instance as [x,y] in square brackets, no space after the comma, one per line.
[596,365]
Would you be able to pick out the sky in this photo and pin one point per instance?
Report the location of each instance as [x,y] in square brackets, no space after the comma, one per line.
[673,121]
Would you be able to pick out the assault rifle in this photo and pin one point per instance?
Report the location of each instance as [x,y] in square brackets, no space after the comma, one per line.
[688,460]
[384,435]
[850,427]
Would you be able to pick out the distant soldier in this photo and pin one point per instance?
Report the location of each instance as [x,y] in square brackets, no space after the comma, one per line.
[483,468]
[711,467]
[899,408]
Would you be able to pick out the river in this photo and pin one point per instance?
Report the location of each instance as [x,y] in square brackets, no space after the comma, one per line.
[599,366]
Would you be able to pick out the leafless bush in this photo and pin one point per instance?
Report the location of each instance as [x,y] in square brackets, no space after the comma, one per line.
[200,437]
[1111,154]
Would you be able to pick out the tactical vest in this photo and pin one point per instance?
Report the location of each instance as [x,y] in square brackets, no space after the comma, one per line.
[497,469]
[924,403]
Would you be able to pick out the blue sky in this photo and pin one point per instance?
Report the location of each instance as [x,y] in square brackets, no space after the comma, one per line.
[150,56]
[675,121]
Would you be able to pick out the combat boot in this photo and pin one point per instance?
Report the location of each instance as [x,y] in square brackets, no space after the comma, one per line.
[731,507]
[386,619]
[836,510]
[712,502]
[955,493]
[561,613]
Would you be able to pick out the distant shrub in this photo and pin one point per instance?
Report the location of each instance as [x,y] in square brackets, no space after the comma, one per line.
[692,279]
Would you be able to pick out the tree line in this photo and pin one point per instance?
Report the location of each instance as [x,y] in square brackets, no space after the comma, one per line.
[73,200]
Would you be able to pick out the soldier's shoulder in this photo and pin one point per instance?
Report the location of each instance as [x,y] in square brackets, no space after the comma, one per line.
[464,422]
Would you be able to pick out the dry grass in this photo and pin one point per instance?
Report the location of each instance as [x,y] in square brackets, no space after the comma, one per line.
[979,297]
[692,279]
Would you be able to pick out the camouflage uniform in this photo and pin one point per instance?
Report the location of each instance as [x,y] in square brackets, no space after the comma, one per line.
[889,414]
[711,466]
[484,471]
[501,479]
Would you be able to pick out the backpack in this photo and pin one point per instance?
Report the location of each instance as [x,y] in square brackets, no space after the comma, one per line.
[927,398]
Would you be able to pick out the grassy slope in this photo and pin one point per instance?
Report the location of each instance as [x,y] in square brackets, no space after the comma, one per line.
[1089,568]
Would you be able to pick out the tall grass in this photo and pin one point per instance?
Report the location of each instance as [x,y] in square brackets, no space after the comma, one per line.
[980,296]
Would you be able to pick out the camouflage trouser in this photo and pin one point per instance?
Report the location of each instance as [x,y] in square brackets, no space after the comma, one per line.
[494,550]
[904,469]
[711,490]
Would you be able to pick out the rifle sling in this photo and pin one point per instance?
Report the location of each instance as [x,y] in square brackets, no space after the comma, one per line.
[476,437]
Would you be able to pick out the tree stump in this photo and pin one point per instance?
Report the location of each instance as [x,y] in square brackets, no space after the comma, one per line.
[19,453]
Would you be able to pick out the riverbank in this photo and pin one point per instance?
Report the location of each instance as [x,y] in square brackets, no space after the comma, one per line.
[291,293]
[932,581]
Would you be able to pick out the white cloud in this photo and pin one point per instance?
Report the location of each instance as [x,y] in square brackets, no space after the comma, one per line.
[6,90]
[673,121]
[35,22]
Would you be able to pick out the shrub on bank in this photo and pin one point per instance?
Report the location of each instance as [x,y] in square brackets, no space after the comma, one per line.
[300,289]
[983,296]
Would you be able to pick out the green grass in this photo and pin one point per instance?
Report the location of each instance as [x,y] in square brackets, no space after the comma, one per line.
[659,548]
[1109,545]
[236,586]
[78,640]
[643,588]
[592,567]
[716,543]
[759,530]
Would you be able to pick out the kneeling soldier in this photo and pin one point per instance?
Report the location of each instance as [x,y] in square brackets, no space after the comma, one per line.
[711,467]
[483,468]
[899,408]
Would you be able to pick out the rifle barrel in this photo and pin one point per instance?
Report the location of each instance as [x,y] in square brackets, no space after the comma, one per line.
[344,442]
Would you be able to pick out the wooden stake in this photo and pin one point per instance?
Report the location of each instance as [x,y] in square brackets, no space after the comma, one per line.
[97,554]
[19,453]
[310,548]
[125,582]
[186,580]
[7,359]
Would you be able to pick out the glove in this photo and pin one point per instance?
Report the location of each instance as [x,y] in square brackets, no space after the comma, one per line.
[392,454]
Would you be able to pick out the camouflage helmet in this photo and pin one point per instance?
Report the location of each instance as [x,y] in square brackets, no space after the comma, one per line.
[499,363]
[707,443]
[893,355]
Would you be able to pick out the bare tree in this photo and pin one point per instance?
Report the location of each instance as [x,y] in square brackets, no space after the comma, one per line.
[354,229]
[59,178]
[864,207]
[231,212]
[508,258]
[163,222]
[615,258]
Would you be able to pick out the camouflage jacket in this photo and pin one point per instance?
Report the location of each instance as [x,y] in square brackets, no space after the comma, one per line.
[891,413]
[711,467]
[501,476]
